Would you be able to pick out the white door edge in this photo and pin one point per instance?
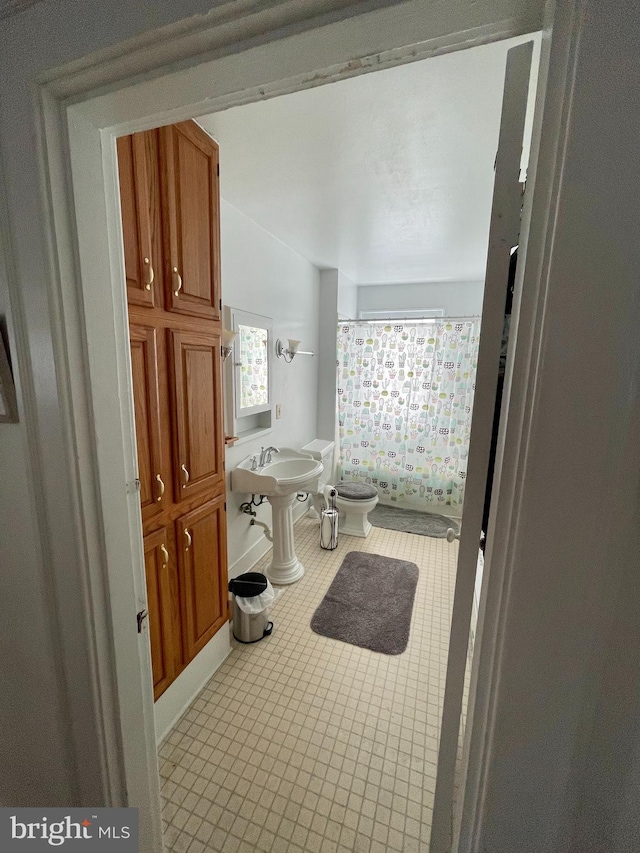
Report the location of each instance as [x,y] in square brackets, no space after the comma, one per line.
[544,175]
[503,235]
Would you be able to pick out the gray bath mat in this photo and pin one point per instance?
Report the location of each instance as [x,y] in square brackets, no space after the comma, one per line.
[369,603]
[412,521]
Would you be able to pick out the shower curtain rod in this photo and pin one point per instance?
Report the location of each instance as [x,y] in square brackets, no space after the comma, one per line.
[412,319]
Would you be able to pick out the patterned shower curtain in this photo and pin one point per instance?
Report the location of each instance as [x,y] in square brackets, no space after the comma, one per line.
[405,398]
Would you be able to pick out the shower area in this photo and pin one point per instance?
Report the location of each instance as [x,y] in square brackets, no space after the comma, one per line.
[405,394]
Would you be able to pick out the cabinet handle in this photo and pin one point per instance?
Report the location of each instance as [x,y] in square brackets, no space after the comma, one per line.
[185,475]
[177,278]
[165,556]
[188,538]
[161,487]
[151,274]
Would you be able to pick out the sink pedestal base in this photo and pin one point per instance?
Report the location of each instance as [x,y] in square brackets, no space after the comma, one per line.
[285,566]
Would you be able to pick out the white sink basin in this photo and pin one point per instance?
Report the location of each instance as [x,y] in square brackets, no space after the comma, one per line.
[288,472]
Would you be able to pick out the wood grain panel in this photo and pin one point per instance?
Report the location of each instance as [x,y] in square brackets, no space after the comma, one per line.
[191,205]
[195,202]
[159,561]
[144,369]
[199,369]
[138,172]
[177,385]
[201,537]
[197,380]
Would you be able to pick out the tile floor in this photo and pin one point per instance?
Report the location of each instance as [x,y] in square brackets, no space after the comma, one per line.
[302,743]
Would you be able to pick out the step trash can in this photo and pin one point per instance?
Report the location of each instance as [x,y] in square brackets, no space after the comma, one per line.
[329,520]
[253,597]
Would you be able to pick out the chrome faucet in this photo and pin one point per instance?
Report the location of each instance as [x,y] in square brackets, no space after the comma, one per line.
[265,455]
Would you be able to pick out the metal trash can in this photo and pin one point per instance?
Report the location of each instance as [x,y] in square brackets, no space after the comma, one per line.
[253,596]
[329,520]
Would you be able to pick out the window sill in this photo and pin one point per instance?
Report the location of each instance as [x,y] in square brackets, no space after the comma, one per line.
[251,434]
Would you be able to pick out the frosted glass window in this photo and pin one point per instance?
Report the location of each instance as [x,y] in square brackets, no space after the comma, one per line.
[254,366]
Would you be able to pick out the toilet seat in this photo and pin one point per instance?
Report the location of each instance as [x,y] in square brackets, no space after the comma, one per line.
[356,491]
[354,503]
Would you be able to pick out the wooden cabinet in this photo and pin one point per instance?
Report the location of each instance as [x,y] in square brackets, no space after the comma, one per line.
[202,537]
[170,216]
[197,380]
[159,563]
[192,214]
[144,369]
[138,170]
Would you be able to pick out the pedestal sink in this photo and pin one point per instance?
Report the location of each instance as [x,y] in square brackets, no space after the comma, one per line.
[289,472]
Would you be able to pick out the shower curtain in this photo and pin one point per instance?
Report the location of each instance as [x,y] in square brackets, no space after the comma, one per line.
[405,398]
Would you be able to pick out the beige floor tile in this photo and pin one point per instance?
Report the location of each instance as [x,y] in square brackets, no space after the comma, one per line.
[302,743]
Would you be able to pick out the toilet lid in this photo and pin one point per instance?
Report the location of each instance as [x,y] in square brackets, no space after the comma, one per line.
[356,491]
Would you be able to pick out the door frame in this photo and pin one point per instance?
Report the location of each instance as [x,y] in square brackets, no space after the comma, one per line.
[225,59]
[553,110]
[504,233]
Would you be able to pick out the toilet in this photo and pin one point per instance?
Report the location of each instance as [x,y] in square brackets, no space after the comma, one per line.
[354,503]
[321,450]
[355,500]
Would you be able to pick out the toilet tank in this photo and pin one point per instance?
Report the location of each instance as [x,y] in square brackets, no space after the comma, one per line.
[321,449]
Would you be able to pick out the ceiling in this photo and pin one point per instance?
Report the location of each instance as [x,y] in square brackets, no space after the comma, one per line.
[387,176]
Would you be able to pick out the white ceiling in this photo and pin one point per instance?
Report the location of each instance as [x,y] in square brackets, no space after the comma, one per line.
[387,176]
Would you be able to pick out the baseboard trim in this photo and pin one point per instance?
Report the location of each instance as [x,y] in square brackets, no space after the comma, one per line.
[178,696]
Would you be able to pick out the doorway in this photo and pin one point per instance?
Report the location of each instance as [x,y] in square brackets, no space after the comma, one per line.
[104,331]
[273,297]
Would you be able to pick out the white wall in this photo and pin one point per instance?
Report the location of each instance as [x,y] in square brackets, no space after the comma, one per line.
[262,275]
[43,759]
[327,324]
[338,299]
[32,744]
[347,297]
[457,298]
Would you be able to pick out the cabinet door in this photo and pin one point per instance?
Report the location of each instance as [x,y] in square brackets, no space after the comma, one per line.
[192,216]
[140,205]
[159,562]
[197,381]
[202,550]
[146,399]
